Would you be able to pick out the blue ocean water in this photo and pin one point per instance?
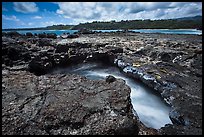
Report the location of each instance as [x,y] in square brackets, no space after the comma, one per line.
[164,31]
[58,32]
[170,31]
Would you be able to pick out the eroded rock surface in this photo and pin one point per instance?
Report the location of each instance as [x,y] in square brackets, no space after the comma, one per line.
[169,64]
[65,105]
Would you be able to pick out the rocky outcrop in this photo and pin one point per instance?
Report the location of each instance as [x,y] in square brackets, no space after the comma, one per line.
[13,54]
[51,35]
[44,42]
[29,34]
[73,36]
[47,35]
[110,79]
[11,34]
[40,65]
[169,64]
[65,105]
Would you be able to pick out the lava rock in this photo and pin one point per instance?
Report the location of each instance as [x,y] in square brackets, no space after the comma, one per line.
[61,104]
[165,57]
[41,65]
[13,34]
[29,34]
[44,42]
[110,79]
[176,118]
[42,35]
[62,48]
[51,35]
[71,36]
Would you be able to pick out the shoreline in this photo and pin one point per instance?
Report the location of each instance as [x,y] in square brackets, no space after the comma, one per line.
[118,30]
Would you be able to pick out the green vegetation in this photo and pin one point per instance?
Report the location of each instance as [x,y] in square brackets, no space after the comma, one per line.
[180,23]
[59,27]
[143,24]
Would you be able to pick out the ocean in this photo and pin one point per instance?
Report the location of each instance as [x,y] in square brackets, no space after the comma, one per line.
[163,31]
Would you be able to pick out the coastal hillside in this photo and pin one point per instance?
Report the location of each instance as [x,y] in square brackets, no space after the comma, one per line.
[179,23]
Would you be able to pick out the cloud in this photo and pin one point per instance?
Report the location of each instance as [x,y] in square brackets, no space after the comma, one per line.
[25,7]
[50,23]
[147,6]
[183,9]
[30,23]
[106,11]
[83,10]
[11,18]
[37,17]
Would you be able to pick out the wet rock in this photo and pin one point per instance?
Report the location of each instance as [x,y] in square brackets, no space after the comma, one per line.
[110,79]
[120,63]
[176,118]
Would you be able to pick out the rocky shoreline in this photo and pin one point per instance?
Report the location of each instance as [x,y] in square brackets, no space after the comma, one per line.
[35,102]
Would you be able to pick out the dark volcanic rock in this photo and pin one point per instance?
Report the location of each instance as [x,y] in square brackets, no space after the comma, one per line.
[69,104]
[176,118]
[61,104]
[8,40]
[165,57]
[41,64]
[51,35]
[44,42]
[13,34]
[29,34]
[14,52]
[110,79]
[62,48]
[73,36]
[42,35]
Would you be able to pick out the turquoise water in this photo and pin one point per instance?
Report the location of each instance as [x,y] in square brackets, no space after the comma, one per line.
[164,31]
[170,31]
[58,32]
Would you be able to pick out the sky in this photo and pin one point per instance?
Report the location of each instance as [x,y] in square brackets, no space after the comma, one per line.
[42,14]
